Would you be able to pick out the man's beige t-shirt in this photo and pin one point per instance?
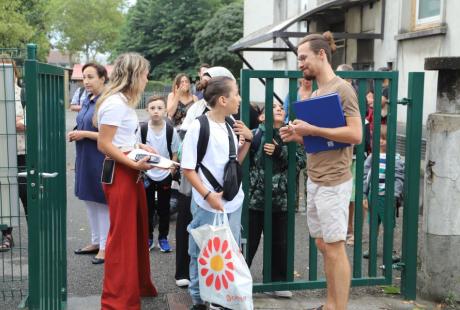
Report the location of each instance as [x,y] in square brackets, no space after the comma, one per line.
[330,168]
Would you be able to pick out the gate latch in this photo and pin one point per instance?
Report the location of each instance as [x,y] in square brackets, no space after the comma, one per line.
[405,101]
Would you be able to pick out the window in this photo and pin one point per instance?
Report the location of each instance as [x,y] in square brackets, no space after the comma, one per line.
[427,11]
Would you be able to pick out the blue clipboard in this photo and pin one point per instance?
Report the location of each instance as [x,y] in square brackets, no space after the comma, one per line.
[322,111]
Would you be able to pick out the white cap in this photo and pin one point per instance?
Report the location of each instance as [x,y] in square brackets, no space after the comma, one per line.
[219,71]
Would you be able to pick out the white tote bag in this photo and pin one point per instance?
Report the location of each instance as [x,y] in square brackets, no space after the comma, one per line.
[224,276]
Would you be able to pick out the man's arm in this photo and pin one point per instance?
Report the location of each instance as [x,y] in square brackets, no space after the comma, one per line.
[351,133]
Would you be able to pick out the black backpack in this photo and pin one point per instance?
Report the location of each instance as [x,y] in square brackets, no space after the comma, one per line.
[232,171]
[169,135]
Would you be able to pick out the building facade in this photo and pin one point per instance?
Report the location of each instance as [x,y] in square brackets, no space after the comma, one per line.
[370,34]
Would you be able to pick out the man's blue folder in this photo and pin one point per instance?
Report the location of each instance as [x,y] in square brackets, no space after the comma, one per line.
[322,111]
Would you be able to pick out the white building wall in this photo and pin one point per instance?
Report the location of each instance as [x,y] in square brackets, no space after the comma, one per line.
[257,16]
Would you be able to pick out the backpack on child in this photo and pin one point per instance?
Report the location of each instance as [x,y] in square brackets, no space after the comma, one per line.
[232,171]
[169,135]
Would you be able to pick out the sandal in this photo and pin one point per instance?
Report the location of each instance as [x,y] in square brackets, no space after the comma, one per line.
[7,243]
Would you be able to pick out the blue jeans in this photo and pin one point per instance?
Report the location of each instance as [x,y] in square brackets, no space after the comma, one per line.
[202,217]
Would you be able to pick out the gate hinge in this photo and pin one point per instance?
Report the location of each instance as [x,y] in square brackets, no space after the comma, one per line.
[405,101]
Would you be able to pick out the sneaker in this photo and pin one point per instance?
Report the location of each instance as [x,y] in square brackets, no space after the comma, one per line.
[281,294]
[151,245]
[199,307]
[164,245]
[183,282]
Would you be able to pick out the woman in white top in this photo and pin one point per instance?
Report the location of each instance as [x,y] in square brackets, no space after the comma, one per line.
[221,93]
[127,265]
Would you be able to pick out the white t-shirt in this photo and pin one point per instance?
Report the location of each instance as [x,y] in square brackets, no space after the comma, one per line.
[215,159]
[159,142]
[116,112]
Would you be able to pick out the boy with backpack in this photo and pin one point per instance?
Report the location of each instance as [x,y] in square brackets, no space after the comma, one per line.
[207,165]
[159,134]
[260,151]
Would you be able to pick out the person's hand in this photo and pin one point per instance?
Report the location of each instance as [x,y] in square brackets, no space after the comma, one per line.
[76,135]
[303,128]
[288,134]
[215,201]
[20,126]
[142,164]
[241,130]
[172,170]
[269,148]
[365,204]
[148,148]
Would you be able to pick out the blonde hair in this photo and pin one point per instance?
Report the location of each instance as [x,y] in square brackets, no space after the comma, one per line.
[125,78]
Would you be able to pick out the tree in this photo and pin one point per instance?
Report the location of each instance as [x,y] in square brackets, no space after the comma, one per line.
[88,26]
[222,30]
[24,21]
[164,31]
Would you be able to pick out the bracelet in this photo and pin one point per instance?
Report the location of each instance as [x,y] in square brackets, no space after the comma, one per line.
[206,196]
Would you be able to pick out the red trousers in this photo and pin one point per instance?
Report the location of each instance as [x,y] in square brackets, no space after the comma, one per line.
[127,261]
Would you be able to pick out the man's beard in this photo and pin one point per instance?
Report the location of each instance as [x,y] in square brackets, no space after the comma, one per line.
[309,77]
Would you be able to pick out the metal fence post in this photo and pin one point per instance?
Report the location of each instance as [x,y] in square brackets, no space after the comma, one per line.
[411,184]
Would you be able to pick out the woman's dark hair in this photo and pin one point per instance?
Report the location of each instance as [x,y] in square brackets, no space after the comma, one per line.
[100,70]
[216,87]
[319,42]
[155,98]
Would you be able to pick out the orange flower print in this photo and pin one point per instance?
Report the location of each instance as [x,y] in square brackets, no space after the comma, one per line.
[216,264]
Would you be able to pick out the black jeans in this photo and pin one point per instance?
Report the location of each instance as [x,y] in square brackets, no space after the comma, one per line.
[184,217]
[279,241]
[161,207]
[22,188]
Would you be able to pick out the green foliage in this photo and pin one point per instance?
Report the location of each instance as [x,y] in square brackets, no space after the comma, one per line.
[164,32]
[24,21]
[221,31]
[157,86]
[390,289]
[88,26]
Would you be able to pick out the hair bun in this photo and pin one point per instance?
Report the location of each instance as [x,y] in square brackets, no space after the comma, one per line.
[330,39]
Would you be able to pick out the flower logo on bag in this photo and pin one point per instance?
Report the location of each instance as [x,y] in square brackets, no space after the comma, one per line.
[216,264]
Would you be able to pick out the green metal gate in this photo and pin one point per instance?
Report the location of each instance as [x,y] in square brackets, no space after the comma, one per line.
[360,277]
[46,184]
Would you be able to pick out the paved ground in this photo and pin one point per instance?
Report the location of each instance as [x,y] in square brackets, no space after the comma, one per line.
[85,279]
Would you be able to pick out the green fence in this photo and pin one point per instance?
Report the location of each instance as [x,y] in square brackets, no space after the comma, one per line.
[46,184]
[13,223]
[362,275]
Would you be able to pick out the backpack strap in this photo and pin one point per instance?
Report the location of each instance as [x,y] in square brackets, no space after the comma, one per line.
[169,137]
[144,128]
[202,147]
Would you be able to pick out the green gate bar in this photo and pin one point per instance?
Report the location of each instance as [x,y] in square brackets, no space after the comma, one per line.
[411,184]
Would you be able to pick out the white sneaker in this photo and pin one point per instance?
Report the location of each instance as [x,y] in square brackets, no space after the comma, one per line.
[182,283]
[282,294]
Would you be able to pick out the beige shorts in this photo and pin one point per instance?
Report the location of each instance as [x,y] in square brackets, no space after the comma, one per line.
[327,210]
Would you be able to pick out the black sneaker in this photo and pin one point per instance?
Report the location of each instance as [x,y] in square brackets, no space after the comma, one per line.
[199,307]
